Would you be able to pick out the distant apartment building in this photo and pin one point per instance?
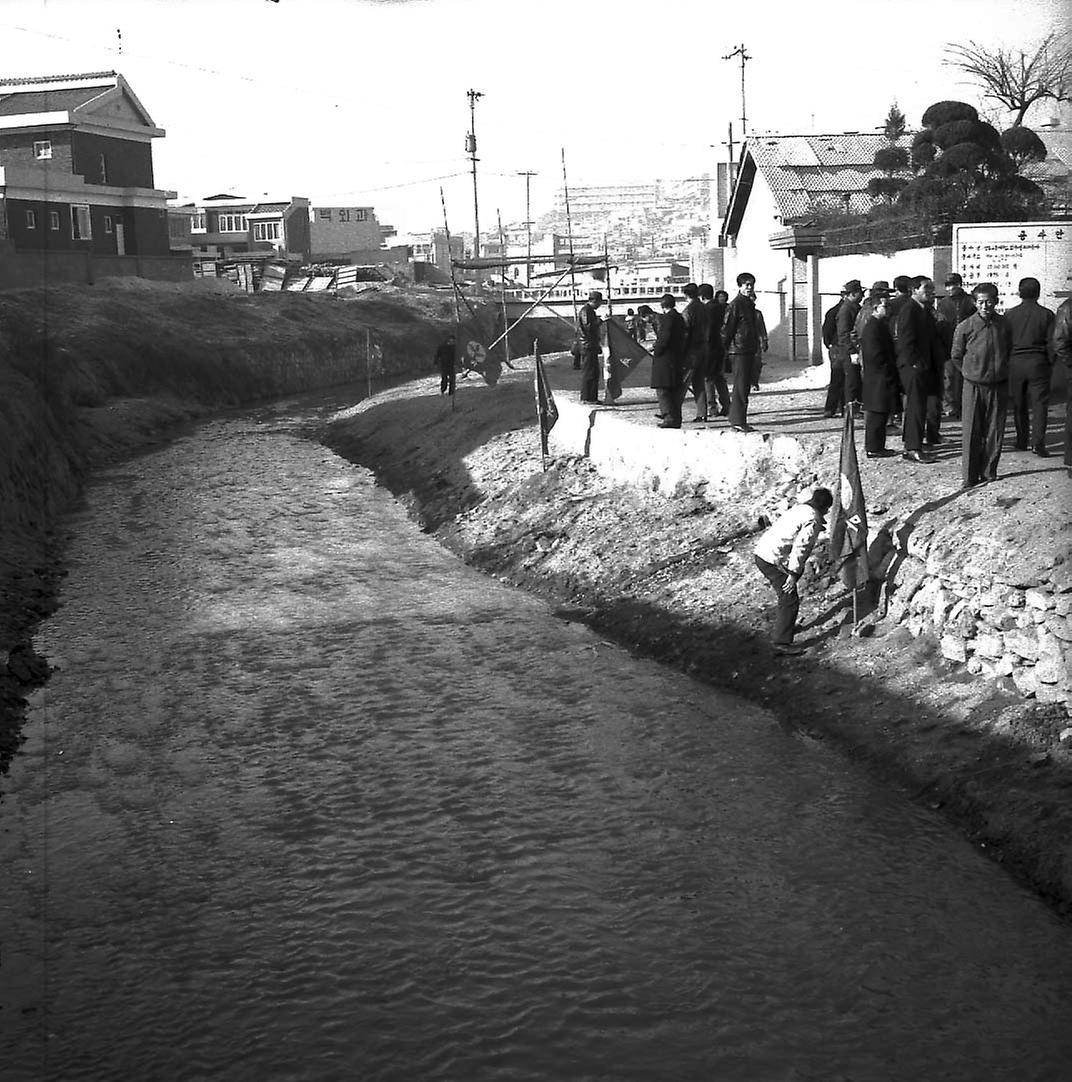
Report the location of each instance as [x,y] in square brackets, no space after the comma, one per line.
[76,175]
[336,231]
[600,202]
[431,247]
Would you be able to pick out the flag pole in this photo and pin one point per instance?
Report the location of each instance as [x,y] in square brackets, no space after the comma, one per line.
[569,232]
[506,321]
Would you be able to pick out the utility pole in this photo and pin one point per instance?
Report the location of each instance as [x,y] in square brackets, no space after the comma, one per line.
[528,225]
[470,149]
[740,51]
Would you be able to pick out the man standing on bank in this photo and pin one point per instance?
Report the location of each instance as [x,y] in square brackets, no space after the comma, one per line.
[1062,351]
[919,364]
[695,317]
[445,362]
[953,308]
[1030,367]
[591,354]
[847,345]
[742,345]
[780,556]
[982,345]
[716,388]
[668,362]
[879,365]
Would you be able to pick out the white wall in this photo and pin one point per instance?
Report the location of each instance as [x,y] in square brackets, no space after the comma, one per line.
[835,271]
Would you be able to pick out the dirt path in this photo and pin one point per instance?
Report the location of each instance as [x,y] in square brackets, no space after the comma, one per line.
[673,579]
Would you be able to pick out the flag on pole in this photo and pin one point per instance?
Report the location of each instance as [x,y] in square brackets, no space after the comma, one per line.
[546,409]
[848,535]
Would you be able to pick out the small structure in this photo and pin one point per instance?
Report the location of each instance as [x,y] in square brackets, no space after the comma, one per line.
[77,194]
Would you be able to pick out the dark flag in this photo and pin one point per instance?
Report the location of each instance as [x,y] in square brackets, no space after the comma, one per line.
[625,355]
[546,409]
[848,535]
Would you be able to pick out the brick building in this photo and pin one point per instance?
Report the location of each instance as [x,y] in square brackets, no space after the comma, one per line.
[76,173]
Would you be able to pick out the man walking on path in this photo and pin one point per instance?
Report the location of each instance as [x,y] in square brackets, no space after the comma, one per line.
[780,556]
[715,388]
[1030,367]
[445,360]
[695,317]
[953,308]
[982,345]
[668,362]
[588,334]
[1062,351]
[919,363]
[741,341]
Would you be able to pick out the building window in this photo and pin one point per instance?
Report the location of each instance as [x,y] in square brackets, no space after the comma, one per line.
[102,164]
[43,150]
[233,223]
[80,225]
[53,219]
[31,219]
[360,215]
[325,215]
[107,223]
[197,223]
[266,231]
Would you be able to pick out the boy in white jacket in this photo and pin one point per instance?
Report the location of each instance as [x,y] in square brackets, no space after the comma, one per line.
[781,554]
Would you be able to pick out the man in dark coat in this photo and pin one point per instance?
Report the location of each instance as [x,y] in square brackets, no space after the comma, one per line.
[847,345]
[591,353]
[742,344]
[952,309]
[445,356]
[879,369]
[695,317]
[834,405]
[1061,346]
[1030,368]
[668,362]
[919,362]
[715,389]
[982,346]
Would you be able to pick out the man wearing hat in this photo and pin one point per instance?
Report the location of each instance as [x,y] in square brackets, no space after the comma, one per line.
[668,362]
[588,335]
[879,367]
[952,309]
[867,305]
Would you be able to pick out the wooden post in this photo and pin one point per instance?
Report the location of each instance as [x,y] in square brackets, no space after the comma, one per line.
[502,277]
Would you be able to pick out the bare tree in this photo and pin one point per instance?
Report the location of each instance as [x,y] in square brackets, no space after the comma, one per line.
[1015,78]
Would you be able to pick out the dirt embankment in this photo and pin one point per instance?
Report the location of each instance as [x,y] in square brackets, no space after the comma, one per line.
[88,373]
[673,579]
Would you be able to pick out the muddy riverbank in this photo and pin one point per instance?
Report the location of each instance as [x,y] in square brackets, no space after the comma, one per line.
[672,579]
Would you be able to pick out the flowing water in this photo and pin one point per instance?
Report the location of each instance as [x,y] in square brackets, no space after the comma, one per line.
[307,799]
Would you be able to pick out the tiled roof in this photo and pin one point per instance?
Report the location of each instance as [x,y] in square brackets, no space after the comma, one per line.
[809,172]
[48,101]
[270,208]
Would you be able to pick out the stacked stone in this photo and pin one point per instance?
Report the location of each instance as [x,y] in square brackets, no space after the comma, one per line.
[1004,621]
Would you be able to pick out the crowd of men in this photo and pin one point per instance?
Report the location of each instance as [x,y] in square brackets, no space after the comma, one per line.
[900,357]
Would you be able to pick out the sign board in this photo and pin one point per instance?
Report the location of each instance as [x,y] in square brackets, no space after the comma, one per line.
[1005,252]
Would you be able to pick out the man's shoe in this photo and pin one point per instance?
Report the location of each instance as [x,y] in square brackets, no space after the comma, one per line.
[917,456]
[828,415]
[699,420]
[882,454]
[659,416]
[788,649]
[1042,452]
[667,424]
[724,412]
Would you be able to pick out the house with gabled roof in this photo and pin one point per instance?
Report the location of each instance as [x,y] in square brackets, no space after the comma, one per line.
[783,183]
[76,175]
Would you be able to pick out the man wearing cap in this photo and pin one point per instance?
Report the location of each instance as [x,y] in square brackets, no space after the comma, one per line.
[880,381]
[848,345]
[866,306]
[982,345]
[919,364]
[1030,367]
[953,308]
[588,334]
[668,362]
[781,554]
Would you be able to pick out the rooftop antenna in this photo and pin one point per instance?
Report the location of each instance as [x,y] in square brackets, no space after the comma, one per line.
[742,53]
[470,149]
[528,175]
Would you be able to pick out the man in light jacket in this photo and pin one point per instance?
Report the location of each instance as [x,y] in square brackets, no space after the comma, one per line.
[781,554]
[982,346]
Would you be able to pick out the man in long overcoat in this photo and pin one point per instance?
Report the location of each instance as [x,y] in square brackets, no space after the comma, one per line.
[668,362]
[919,365]
[879,369]
[715,389]
[695,317]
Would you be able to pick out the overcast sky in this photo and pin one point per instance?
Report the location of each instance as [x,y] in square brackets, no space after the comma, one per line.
[365,101]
